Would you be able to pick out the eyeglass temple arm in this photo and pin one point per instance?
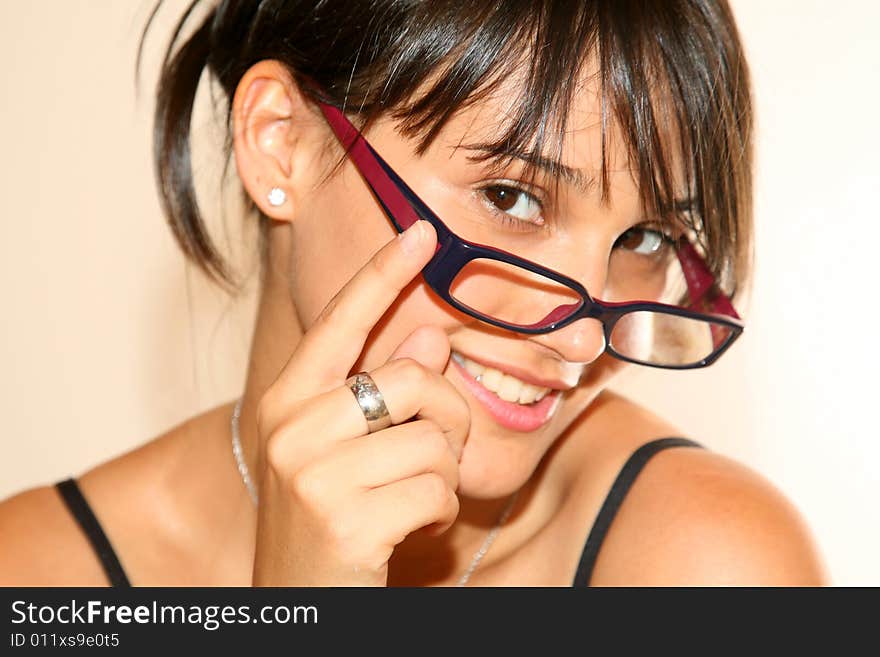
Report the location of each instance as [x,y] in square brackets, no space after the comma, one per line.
[392,199]
[703,289]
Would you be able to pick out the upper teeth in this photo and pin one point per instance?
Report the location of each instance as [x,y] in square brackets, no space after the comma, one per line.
[508,387]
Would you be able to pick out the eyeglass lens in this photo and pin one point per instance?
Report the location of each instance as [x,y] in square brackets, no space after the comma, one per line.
[516,296]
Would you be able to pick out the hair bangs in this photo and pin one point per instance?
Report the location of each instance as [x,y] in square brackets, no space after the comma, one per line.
[680,95]
[672,79]
[668,85]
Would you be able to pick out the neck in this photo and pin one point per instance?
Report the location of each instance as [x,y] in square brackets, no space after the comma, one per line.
[277,331]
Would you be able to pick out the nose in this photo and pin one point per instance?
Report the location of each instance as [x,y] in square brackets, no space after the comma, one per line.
[582,341]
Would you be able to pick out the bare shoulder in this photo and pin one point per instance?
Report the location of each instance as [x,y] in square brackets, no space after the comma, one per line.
[42,545]
[695,517]
[158,504]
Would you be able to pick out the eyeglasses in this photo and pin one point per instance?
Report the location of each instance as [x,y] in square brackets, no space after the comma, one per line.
[483,282]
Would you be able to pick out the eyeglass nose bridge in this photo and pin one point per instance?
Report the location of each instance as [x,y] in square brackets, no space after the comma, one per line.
[606,313]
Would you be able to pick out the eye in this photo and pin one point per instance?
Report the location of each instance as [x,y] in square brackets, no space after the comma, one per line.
[644,239]
[507,201]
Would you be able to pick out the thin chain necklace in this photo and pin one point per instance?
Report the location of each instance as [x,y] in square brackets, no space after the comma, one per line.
[248,482]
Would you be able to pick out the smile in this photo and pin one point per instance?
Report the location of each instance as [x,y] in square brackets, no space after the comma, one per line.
[507,387]
[513,403]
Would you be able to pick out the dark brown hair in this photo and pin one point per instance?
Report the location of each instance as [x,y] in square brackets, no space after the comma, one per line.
[672,75]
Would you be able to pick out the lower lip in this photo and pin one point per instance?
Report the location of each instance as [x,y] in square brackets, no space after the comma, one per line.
[510,414]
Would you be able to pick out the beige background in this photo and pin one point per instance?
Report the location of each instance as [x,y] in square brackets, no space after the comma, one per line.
[108,338]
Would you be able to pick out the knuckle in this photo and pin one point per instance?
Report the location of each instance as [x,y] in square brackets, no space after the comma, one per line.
[309,486]
[434,441]
[281,457]
[330,313]
[455,476]
[436,490]
[454,505]
[382,264]
[412,371]
[276,452]
[265,412]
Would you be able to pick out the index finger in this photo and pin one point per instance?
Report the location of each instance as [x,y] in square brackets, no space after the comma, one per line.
[331,346]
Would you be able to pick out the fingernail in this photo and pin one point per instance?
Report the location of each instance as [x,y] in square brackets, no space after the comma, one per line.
[410,238]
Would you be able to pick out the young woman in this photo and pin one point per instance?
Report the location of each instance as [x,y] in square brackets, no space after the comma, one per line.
[473,217]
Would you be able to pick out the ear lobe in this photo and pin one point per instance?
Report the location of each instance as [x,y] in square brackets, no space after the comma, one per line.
[264,139]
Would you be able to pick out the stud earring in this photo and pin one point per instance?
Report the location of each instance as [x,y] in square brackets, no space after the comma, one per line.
[277,197]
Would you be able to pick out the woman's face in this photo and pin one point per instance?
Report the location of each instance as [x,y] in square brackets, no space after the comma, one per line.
[335,227]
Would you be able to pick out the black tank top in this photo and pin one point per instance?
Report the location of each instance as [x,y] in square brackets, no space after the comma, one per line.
[84,515]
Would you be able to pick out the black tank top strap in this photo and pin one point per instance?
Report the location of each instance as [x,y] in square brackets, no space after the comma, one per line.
[613,500]
[87,520]
[82,512]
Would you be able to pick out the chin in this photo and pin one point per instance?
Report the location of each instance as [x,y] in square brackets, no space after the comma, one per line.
[490,469]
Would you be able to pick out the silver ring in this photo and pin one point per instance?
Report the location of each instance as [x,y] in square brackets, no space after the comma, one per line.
[370,400]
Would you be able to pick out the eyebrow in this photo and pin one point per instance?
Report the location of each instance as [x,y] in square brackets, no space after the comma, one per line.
[574,177]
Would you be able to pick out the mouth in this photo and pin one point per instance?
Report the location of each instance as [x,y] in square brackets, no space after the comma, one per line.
[513,403]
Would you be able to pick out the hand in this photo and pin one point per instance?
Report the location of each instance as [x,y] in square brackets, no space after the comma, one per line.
[333,502]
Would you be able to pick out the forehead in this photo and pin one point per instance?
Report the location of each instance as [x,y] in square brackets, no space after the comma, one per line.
[583,136]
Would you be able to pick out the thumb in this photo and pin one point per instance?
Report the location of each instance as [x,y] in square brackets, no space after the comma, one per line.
[428,345]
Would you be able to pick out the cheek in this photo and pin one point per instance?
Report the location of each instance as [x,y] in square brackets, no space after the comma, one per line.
[415,306]
[332,238]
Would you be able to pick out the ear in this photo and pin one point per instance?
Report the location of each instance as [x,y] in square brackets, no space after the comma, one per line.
[274,139]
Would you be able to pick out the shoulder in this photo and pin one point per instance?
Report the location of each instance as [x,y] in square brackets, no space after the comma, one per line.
[172,481]
[696,517]
[42,545]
